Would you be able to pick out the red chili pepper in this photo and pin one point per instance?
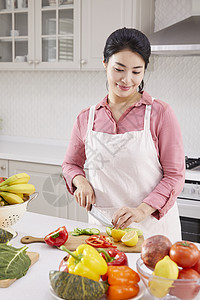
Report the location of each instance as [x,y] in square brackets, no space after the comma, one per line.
[99,241]
[57,238]
[113,257]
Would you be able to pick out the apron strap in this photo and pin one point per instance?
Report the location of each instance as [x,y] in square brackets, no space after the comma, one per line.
[91,118]
[147,116]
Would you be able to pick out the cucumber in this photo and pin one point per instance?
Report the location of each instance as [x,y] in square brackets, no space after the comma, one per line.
[87,231]
[91,231]
[75,287]
[109,230]
[139,231]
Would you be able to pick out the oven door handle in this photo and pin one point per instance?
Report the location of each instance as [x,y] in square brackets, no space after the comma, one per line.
[189,208]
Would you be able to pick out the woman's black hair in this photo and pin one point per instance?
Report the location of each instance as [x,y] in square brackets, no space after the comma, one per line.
[128,38]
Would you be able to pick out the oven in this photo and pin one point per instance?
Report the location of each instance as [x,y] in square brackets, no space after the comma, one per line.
[189,202]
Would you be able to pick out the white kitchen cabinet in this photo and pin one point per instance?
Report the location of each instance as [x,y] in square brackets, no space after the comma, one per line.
[42,34]
[53,199]
[65,34]
[3,168]
[101,17]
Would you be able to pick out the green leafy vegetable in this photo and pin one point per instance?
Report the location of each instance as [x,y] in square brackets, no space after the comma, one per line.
[5,236]
[14,263]
[87,231]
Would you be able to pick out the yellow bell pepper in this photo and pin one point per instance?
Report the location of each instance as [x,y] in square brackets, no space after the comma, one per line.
[86,262]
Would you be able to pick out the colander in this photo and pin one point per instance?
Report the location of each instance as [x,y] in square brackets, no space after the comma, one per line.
[10,214]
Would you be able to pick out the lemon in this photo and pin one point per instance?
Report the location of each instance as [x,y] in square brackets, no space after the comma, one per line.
[130,238]
[117,234]
[165,268]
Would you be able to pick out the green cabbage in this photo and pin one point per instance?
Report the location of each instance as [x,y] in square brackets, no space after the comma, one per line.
[14,263]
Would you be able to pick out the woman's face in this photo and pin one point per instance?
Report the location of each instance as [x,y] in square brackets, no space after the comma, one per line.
[125,71]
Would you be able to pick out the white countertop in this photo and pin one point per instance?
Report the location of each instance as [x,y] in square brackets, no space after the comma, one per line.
[45,151]
[35,284]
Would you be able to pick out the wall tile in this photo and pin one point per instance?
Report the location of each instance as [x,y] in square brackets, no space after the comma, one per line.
[45,104]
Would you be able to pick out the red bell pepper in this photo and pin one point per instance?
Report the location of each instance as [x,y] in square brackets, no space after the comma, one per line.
[113,257]
[57,238]
[101,241]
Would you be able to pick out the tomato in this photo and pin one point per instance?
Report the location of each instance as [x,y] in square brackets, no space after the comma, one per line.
[63,264]
[184,253]
[197,266]
[187,289]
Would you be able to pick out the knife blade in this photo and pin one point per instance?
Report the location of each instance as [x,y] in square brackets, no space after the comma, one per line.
[96,213]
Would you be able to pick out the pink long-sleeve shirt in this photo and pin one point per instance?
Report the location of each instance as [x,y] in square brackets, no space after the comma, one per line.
[166,136]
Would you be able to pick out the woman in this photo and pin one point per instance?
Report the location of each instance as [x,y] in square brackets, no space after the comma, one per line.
[131,144]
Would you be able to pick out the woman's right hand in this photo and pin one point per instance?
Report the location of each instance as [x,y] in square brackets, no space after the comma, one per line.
[84,193]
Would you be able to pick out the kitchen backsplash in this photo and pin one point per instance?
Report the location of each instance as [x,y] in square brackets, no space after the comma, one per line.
[45,104]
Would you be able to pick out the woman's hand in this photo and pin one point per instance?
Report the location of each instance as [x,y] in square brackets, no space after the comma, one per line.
[125,216]
[84,193]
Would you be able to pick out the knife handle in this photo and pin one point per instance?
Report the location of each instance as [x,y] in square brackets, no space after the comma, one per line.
[31,239]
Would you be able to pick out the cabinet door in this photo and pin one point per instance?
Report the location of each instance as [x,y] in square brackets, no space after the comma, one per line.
[16,34]
[53,198]
[57,34]
[3,168]
[99,19]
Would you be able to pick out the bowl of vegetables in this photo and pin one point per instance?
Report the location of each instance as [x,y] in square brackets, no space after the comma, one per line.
[15,195]
[176,275]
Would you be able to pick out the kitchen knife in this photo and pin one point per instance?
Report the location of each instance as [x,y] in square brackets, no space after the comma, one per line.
[96,213]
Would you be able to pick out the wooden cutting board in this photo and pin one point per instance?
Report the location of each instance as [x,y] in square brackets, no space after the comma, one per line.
[74,241]
[34,256]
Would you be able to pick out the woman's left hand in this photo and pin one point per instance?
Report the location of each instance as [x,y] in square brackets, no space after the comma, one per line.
[125,216]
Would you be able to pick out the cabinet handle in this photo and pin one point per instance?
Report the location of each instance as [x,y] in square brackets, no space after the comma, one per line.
[30,62]
[37,61]
[3,167]
[83,61]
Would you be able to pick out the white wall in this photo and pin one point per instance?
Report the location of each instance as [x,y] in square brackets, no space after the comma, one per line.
[45,104]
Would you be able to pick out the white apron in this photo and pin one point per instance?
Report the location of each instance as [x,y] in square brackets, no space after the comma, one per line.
[123,169]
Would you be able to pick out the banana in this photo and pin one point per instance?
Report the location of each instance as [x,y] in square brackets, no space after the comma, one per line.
[11,198]
[21,195]
[16,179]
[19,188]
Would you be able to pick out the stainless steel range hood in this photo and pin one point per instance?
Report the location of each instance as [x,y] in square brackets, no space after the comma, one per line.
[182,38]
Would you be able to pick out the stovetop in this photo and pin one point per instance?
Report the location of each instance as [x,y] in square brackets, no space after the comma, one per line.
[192,163]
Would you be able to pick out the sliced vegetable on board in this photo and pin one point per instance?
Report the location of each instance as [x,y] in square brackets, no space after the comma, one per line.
[57,238]
[130,238]
[87,231]
[70,286]
[101,241]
